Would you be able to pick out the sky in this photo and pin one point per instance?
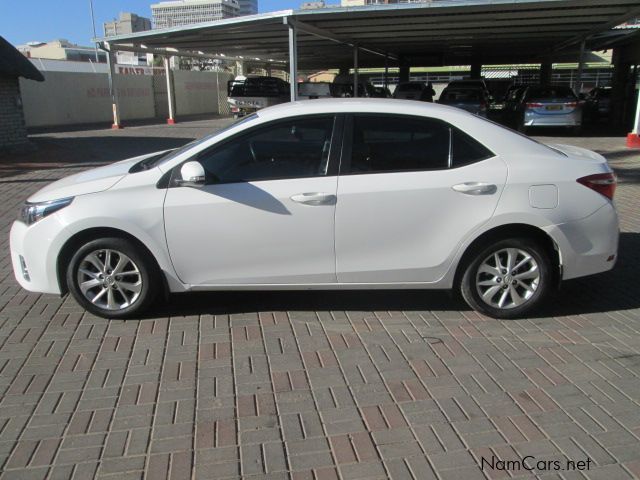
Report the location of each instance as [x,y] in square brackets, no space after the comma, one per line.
[44,20]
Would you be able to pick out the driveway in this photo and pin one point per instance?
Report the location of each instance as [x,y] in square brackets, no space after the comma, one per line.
[316,385]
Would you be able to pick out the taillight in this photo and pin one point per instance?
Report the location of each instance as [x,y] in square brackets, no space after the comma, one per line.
[603,183]
[571,104]
[534,105]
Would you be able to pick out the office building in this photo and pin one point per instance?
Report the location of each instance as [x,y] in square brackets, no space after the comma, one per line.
[126,23]
[187,12]
[61,49]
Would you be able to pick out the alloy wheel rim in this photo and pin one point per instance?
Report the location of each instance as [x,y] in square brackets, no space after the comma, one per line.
[507,278]
[109,279]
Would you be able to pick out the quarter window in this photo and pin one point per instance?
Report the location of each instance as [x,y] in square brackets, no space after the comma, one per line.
[290,149]
[465,150]
[395,144]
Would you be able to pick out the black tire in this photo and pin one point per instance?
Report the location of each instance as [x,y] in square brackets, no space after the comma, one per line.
[577,130]
[147,272]
[469,287]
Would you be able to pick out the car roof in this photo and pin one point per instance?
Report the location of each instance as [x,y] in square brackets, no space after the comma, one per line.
[358,105]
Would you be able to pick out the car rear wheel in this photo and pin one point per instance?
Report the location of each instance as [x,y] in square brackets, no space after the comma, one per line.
[508,279]
[112,278]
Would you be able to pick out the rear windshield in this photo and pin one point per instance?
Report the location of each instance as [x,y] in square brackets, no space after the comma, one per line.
[309,89]
[258,87]
[410,87]
[551,93]
[466,95]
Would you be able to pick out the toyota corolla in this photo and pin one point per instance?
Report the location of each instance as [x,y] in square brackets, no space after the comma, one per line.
[327,194]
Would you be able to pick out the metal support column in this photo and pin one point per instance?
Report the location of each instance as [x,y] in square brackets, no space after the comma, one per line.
[546,71]
[167,71]
[113,91]
[386,71]
[633,140]
[293,62]
[578,82]
[355,71]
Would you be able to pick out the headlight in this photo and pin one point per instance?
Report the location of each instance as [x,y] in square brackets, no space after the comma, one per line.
[32,212]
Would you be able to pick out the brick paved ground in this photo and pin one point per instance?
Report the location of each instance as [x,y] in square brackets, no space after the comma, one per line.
[319,385]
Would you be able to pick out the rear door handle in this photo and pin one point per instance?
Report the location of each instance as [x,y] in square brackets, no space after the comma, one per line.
[476,188]
[314,198]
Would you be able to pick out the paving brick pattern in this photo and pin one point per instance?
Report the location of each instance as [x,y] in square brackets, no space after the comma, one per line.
[321,385]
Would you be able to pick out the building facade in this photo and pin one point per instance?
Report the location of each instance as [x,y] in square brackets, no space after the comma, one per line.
[313,5]
[359,3]
[187,12]
[126,23]
[248,7]
[13,65]
[61,49]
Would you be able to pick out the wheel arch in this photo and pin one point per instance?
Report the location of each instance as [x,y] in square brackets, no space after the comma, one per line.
[510,230]
[75,241]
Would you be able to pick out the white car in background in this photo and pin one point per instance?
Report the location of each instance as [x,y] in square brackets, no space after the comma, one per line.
[327,194]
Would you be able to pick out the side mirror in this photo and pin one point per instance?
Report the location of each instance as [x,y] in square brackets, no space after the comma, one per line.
[191,175]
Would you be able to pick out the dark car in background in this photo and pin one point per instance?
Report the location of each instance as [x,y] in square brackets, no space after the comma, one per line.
[473,99]
[246,95]
[598,104]
[414,91]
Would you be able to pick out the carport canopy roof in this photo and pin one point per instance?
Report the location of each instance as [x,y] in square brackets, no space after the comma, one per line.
[446,32]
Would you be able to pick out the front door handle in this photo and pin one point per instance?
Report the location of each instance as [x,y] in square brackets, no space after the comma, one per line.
[476,188]
[314,198]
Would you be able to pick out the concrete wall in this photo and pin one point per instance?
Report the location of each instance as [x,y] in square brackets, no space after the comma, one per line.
[12,128]
[73,98]
[197,92]
[67,98]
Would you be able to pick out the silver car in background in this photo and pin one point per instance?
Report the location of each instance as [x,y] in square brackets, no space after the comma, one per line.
[549,106]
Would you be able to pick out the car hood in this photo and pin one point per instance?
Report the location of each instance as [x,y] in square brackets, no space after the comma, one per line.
[89,181]
[579,153]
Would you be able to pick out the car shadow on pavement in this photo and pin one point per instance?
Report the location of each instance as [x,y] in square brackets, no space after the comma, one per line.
[618,289]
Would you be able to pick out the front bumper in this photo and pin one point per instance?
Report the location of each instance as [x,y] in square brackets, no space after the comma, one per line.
[35,248]
[589,245]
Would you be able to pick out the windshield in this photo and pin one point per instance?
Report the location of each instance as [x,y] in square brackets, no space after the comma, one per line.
[158,160]
[466,95]
[314,89]
[257,87]
[551,92]
[410,87]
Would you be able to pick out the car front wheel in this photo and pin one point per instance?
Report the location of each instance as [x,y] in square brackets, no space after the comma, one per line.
[112,278]
[508,279]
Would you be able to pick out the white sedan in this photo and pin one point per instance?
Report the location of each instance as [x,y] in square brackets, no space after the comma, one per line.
[327,194]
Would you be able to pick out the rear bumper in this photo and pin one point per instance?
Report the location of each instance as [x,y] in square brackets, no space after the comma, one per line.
[589,245]
[532,119]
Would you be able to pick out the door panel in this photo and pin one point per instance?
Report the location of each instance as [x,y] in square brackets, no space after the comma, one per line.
[405,227]
[266,215]
[252,233]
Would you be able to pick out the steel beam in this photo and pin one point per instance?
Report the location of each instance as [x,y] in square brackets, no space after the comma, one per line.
[167,70]
[577,86]
[293,62]
[113,91]
[328,35]
[355,71]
